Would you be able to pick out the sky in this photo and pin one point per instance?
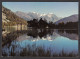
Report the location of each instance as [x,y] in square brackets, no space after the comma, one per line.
[60,9]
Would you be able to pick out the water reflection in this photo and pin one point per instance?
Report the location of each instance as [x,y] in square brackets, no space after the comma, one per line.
[43,42]
[72,34]
[8,29]
[39,32]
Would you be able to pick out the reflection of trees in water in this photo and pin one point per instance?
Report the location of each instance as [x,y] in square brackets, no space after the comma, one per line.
[62,31]
[44,32]
[68,31]
[11,36]
[34,33]
[71,34]
[72,31]
[39,32]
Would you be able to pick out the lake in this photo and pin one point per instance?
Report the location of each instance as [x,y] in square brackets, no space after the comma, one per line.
[42,43]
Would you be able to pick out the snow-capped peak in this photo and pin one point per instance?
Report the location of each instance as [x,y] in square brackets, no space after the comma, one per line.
[31,15]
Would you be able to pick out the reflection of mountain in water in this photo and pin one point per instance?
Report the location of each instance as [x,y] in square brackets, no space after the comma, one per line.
[72,34]
[58,41]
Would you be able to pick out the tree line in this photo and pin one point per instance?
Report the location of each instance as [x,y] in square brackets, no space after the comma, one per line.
[35,23]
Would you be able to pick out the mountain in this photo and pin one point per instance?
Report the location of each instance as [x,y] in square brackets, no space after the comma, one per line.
[28,16]
[4,18]
[9,17]
[50,17]
[33,15]
[72,18]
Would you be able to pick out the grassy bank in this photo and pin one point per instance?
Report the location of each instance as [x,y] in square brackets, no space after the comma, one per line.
[33,51]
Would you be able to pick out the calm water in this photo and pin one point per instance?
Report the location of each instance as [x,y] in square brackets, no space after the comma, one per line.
[54,40]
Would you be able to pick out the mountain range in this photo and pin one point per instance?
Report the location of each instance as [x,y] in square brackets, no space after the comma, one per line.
[33,15]
[18,17]
[72,18]
[50,17]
